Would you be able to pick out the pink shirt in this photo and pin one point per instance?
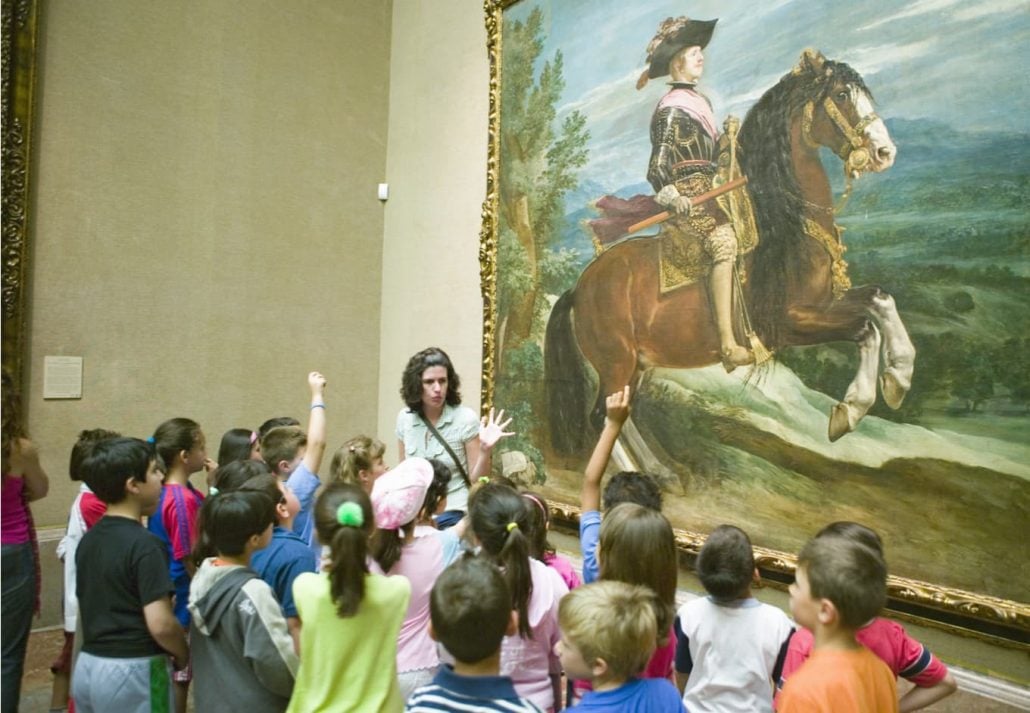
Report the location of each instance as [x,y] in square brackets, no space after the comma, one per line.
[530,662]
[14,516]
[564,569]
[421,563]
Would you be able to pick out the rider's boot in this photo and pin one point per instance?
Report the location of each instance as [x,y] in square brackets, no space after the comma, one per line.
[721,285]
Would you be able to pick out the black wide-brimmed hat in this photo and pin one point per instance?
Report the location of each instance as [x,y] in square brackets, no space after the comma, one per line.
[673,35]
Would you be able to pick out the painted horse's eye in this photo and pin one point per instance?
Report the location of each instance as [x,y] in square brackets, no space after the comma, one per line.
[842,96]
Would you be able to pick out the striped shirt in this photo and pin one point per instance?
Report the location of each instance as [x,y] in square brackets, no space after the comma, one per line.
[454,692]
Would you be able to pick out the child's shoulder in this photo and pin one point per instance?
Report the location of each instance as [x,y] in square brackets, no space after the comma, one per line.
[389,586]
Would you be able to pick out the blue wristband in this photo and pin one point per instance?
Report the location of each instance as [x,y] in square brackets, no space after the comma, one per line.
[314,406]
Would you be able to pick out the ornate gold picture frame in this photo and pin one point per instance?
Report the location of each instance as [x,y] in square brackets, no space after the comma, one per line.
[540,53]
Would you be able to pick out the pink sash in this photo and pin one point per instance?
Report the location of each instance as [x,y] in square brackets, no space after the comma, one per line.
[694,104]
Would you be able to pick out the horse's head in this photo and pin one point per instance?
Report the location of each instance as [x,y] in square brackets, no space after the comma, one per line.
[839,114]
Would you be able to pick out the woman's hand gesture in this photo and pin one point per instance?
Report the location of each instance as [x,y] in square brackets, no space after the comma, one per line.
[491,430]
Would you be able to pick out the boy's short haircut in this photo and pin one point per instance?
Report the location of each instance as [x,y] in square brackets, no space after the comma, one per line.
[87,439]
[849,574]
[470,607]
[111,462]
[854,531]
[613,621]
[629,486]
[282,444]
[228,520]
[726,563]
[276,422]
[234,474]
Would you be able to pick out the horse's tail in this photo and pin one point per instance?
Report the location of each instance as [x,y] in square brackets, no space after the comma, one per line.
[566,380]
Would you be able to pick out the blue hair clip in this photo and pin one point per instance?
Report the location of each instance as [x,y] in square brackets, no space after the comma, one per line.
[150,440]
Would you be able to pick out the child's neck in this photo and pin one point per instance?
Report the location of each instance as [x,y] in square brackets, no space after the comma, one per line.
[242,560]
[609,684]
[490,666]
[128,508]
[835,638]
[177,475]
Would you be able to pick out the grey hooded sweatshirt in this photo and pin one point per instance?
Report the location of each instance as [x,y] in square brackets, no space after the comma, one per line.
[241,650]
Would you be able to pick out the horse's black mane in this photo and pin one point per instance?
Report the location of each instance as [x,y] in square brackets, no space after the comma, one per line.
[766,159]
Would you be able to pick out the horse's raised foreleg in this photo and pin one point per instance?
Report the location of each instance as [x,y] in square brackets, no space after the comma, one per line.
[861,393]
[899,354]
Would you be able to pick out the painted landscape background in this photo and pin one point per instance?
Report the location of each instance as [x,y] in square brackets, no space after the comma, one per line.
[945,478]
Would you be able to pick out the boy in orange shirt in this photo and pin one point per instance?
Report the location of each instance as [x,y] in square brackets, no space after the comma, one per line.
[839,586]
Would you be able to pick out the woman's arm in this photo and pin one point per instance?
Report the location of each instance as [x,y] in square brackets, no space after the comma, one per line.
[25,459]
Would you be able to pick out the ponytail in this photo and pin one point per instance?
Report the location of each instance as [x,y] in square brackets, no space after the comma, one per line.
[500,520]
[387,544]
[344,520]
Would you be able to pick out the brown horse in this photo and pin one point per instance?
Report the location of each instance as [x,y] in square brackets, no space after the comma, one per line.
[617,319]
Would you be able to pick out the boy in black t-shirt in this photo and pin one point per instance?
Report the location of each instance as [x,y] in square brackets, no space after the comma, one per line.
[124,590]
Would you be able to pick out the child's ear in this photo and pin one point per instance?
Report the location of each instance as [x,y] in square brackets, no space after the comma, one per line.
[132,486]
[828,613]
[281,512]
[513,623]
[363,477]
[599,667]
[756,577]
[183,455]
[282,467]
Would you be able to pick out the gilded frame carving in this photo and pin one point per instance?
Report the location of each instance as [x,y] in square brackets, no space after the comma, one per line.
[20,22]
[981,616]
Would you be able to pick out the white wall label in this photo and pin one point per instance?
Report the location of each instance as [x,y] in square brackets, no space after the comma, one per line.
[62,377]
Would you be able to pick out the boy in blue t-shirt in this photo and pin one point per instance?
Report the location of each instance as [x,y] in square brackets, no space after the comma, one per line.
[124,589]
[295,457]
[609,631]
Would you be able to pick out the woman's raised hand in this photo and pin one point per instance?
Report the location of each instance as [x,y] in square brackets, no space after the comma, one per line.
[491,430]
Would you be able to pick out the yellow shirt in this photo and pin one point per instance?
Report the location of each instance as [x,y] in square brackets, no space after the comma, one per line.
[840,682]
[348,664]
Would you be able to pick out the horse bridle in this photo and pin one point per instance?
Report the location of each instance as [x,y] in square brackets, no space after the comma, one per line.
[852,150]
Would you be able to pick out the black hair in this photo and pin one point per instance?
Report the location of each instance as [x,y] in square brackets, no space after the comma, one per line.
[411,380]
[236,444]
[276,423]
[854,531]
[386,545]
[174,436]
[470,607]
[437,489]
[539,518]
[110,463]
[726,563]
[500,519]
[234,474]
[629,486]
[87,439]
[228,520]
[348,544]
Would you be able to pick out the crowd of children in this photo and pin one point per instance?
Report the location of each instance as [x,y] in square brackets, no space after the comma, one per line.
[280,592]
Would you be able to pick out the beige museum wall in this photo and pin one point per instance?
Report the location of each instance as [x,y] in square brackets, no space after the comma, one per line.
[207,229]
[436,166]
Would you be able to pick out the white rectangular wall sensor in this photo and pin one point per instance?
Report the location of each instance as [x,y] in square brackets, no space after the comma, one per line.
[384,191]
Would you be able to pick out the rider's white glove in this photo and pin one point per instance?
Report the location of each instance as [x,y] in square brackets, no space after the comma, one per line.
[670,199]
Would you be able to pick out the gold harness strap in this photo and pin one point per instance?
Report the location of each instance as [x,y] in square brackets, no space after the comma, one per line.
[833,245]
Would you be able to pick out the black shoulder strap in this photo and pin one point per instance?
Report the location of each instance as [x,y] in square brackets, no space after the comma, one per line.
[447,447]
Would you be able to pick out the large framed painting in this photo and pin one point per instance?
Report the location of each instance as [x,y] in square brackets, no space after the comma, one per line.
[798,233]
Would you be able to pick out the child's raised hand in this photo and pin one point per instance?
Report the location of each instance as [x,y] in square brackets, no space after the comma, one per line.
[491,430]
[617,406]
[317,383]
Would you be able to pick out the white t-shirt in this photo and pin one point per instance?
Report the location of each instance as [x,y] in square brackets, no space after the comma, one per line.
[730,650]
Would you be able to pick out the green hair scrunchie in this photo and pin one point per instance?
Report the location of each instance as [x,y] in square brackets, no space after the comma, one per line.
[349,514]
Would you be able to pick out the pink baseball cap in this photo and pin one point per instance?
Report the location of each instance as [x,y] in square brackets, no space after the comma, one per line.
[398,494]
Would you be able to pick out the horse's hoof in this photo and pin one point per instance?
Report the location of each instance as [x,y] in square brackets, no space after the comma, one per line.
[893,389]
[839,422]
[736,356]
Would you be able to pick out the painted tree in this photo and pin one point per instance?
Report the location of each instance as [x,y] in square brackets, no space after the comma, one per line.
[540,156]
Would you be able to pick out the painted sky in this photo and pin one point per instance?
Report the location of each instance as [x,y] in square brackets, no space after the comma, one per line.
[959,62]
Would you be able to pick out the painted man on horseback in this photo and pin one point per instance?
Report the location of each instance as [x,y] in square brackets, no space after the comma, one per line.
[684,144]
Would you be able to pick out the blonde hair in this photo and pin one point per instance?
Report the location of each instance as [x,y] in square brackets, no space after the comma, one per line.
[613,621]
[354,456]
